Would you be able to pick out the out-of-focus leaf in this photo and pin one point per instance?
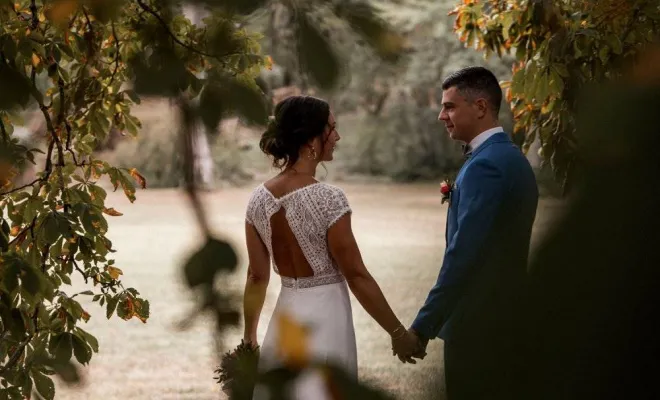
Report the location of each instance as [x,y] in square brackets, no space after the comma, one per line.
[362,18]
[293,345]
[106,10]
[316,54]
[228,95]
[202,267]
[238,6]
[15,88]
[162,73]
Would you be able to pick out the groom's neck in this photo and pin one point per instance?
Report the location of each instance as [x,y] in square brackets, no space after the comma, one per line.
[483,127]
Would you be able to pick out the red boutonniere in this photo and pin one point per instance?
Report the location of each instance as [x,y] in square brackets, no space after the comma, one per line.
[446,187]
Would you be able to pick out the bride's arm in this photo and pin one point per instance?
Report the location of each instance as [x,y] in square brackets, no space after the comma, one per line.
[256,284]
[345,251]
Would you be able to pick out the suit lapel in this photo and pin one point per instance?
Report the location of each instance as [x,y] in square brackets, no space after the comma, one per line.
[500,137]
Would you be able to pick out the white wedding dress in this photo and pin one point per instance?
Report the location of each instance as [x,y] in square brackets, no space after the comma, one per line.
[320,302]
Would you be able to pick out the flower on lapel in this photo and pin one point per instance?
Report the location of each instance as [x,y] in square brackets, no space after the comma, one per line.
[446,187]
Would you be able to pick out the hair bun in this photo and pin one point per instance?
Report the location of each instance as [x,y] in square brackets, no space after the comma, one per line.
[297,120]
[271,141]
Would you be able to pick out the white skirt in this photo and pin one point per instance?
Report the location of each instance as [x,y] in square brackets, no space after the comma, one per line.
[326,312]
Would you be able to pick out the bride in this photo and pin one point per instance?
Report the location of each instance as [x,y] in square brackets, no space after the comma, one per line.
[304,227]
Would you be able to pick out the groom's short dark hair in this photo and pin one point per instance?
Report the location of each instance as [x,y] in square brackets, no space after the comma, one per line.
[475,82]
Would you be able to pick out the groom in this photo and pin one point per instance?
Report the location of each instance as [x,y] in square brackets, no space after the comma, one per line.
[474,303]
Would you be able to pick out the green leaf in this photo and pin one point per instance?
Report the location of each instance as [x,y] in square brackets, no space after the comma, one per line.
[316,55]
[89,338]
[61,347]
[44,385]
[506,21]
[556,84]
[4,235]
[124,310]
[80,349]
[97,194]
[112,305]
[604,54]
[561,70]
[615,43]
[51,229]
[132,124]
[32,280]
[518,82]
[222,37]
[132,95]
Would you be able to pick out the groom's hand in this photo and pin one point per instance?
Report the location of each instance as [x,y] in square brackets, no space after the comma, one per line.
[408,347]
[422,344]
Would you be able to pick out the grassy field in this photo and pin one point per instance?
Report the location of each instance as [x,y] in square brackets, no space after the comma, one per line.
[400,229]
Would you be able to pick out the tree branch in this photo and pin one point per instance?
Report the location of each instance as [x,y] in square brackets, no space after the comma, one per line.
[21,187]
[48,169]
[178,41]
[17,354]
[35,15]
[114,35]
[24,232]
[188,123]
[84,275]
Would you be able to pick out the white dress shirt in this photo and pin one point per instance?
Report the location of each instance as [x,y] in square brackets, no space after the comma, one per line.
[482,137]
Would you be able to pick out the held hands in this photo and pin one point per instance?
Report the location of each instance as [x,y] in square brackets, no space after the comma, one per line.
[406,345]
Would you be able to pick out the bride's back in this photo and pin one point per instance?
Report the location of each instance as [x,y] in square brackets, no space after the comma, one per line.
[292,215]
[286,252]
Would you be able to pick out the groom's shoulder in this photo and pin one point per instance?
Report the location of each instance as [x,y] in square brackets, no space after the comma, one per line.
[504,151]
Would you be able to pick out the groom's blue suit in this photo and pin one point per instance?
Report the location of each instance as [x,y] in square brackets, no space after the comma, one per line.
[479,289]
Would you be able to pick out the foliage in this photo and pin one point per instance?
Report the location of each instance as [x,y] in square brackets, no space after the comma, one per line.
[602,259]
[97,58]
[559,46]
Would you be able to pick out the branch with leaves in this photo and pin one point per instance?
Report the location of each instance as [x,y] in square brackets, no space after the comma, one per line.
[560,47]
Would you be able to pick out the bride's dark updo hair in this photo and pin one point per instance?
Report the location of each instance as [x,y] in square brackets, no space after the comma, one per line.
[296,121]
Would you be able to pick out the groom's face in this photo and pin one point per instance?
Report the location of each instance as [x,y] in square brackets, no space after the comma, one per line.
[458,114]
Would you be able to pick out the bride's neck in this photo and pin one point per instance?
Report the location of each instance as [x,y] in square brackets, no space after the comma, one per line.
[304,167]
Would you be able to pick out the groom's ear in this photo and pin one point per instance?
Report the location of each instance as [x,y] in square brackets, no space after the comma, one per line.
[482,107]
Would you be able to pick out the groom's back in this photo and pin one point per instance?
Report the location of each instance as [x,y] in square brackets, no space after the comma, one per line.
[499,285]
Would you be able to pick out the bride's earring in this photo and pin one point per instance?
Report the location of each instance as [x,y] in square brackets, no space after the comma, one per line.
[312,154]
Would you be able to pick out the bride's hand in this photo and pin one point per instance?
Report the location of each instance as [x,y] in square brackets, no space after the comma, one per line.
[252,341]
[406,346]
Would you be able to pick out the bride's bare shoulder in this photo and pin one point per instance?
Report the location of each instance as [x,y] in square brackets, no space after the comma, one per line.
[281,185]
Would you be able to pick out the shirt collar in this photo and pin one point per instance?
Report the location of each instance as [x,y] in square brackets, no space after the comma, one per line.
[482,137]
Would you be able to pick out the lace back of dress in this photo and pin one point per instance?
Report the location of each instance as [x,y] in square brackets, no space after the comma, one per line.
[294,229]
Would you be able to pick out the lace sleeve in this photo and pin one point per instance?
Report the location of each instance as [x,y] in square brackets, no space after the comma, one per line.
[336,205]
[251,208]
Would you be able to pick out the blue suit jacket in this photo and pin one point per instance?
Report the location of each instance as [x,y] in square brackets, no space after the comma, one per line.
[491,211]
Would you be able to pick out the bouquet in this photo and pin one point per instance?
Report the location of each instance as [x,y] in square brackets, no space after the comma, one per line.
[237,373]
